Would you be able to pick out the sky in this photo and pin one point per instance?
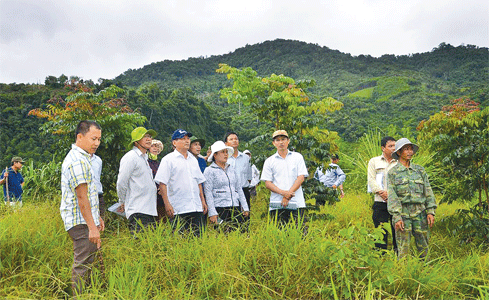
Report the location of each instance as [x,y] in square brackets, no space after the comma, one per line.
[104,38]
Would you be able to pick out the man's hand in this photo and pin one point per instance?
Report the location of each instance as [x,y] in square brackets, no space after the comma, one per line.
[431,220]
[204,207]
[213,219]
[334,186]
[285,202]
[94,236]
[121,208]
[169,210]
[288,194]
[400,225]
[246,213]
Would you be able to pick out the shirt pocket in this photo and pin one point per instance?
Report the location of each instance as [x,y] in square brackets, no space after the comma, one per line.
[402,186]
[219,194]
[419,186]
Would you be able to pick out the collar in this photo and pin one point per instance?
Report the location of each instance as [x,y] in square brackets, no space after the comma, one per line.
[83,152]
[214,165]
[239,154]
[140,153]
[278,155]
[384,158]
[189,155]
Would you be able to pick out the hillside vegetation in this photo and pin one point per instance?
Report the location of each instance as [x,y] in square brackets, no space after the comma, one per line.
[393,93]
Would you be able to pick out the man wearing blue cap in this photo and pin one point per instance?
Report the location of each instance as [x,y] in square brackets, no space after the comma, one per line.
[13,181]
[180,181]
[135,186]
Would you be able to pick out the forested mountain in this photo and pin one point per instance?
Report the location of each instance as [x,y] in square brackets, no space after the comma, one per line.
[386,91]
[391,91]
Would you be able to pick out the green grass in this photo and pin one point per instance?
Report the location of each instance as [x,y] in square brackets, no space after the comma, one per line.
[364,93]
[334,260]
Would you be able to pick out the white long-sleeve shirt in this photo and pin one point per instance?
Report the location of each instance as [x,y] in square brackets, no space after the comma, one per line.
[135,185]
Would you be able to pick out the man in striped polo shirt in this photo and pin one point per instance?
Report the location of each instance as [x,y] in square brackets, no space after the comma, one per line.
[79,202]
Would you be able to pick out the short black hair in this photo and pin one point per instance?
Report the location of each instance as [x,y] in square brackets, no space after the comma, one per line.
[84,126]
[227,135]
[385,139]
[335,157]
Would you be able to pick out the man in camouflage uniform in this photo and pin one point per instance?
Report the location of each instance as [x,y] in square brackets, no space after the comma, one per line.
[411,200]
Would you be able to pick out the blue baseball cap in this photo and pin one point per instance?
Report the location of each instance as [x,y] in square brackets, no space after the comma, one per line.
[180,133]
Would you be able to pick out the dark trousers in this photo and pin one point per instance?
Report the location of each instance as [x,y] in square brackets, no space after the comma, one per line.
[232,218]
[84,253]
[190,222]
[101,206]
[246,191]
[381,215]
[138,221]
[284,216]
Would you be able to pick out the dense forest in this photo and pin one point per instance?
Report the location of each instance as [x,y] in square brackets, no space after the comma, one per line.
[391,92]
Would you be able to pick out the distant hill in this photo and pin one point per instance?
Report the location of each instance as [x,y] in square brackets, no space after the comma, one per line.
[389,90]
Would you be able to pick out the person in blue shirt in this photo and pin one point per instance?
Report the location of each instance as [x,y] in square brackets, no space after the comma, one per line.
[196,146]
[13,181]
[332,178]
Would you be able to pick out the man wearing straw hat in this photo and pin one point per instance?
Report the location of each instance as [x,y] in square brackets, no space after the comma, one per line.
[283,173]
[135,186]
[13,181]
[411,201]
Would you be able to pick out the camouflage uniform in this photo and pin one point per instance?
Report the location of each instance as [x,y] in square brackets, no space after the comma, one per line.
[410,200]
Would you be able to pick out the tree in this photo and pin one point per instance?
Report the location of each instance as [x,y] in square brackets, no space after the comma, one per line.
[459,135]
[106,108]
[284,103]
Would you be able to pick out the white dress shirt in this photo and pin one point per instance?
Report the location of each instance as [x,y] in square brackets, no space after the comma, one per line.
[135,185]
[182,177]
[241,164]
[283,172]
[97,172]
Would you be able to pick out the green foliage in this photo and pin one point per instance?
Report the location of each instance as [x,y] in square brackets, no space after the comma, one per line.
[460,136]
[43,182]
[108,110]
[469,225]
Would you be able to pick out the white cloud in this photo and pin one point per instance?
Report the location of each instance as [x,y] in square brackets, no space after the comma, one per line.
[94,39]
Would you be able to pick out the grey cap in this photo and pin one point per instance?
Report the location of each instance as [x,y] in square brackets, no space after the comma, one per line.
[401,143]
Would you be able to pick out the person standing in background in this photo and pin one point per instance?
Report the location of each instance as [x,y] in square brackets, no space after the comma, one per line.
[96,162]
[377,184]
[255,176]
[241,163]
[13,182]
[154,151]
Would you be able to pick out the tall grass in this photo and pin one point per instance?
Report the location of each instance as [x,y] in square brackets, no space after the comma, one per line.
[335,260]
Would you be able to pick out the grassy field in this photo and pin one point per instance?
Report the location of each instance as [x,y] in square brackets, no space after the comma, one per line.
[335,260]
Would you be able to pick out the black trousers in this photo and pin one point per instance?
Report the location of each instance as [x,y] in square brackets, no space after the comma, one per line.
[246,191]
[381,215]
[190,222]
[138,221]
[284,216]
[232,218]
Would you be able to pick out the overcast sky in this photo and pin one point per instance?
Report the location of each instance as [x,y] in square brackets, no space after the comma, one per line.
[102,39]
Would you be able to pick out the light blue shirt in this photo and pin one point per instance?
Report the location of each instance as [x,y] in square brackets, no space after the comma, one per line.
[334,175]
[241,164]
